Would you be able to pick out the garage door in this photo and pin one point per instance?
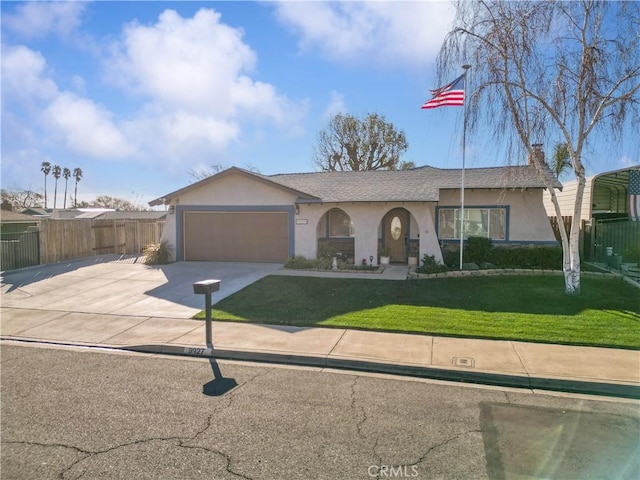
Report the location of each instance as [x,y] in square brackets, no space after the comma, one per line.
[236,236]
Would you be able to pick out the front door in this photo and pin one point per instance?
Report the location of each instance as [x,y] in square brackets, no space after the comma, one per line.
[395,234]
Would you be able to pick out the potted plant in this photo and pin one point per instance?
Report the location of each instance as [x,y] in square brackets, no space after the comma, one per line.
[384,253]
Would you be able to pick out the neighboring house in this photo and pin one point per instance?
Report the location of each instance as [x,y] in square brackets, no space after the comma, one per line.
[125,215]
[13,222]
[37,212]
[237,215]
[104,214]
[79,213]
[605,196]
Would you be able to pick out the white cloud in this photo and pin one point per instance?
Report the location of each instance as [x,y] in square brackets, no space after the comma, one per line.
[190,90]
[384,33]
[626,162]
[174,138]
[336,105]
[194,74]
[38,19]
[198,65]
[24,75]
[86,128]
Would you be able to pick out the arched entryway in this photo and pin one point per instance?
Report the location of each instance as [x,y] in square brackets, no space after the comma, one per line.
[335,234]
[394,239]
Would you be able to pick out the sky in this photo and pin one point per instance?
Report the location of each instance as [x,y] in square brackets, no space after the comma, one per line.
[139,94]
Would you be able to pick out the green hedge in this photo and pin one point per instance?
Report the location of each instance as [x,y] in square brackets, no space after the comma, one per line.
[481,251]
[528,257]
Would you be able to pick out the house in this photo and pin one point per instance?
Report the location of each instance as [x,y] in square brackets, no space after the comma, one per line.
[37,212]
[237,215]
[13,222]
[605,196]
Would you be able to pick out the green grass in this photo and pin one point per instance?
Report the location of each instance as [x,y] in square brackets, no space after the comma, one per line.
[528,308]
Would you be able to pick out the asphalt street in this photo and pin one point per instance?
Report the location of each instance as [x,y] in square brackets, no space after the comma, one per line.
[93,414]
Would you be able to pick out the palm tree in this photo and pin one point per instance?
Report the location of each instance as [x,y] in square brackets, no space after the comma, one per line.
[77,173]
[57,171]
[66,173]
[560,161]
[46,169]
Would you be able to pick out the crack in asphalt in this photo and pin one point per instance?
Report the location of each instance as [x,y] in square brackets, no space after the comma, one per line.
[226,457]
[90,454]
[441,444]
[180,441]
[360,411]
[359,424]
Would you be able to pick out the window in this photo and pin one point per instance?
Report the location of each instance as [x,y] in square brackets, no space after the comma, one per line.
[340,224]
[396,228]
[490,222]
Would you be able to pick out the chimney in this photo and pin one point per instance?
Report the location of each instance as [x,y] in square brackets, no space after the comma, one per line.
[537,151]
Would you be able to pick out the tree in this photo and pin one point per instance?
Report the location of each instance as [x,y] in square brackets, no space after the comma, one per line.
[407,165]
[77,174]
[545,69]
[57,172]
[206,172]
[352,144]
[20,198]
[107,201]
[45,168]
[66,173]
[560,161]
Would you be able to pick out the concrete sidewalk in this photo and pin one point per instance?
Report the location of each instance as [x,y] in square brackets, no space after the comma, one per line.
[589,370]
[116,302]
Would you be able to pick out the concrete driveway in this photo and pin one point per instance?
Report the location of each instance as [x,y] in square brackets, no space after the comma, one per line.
[123,286]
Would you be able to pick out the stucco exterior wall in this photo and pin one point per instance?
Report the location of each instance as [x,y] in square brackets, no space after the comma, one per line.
[236,190]
[230,190]
[527,218]
[366,219]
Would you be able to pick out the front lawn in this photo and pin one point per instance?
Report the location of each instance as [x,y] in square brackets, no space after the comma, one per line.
[528,308]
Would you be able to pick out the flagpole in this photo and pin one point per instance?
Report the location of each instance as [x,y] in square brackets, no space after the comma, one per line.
[466,68]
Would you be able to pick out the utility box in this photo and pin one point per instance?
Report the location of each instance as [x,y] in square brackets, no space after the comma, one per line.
[205,287]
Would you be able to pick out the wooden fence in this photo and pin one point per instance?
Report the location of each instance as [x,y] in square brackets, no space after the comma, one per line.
[66,239]
[556,227]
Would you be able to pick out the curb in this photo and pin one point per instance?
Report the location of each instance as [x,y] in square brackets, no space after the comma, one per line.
[461,376]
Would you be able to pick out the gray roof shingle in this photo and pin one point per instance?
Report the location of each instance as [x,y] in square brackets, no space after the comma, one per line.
[7,216]
[421,184]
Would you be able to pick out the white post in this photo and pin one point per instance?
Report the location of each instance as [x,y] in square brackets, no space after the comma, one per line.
[464,142]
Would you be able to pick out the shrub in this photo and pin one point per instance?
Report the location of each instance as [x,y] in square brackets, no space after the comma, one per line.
[326,250]
[527,257]
[632,254]
[477,250]
[300,262]
[431,265]
[157,253]
[451,258]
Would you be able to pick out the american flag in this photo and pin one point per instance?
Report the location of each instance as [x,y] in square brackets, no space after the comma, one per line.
[451,95]
[634,195]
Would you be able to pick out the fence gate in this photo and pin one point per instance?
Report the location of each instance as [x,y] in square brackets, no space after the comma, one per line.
[19,250]
[606,238]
